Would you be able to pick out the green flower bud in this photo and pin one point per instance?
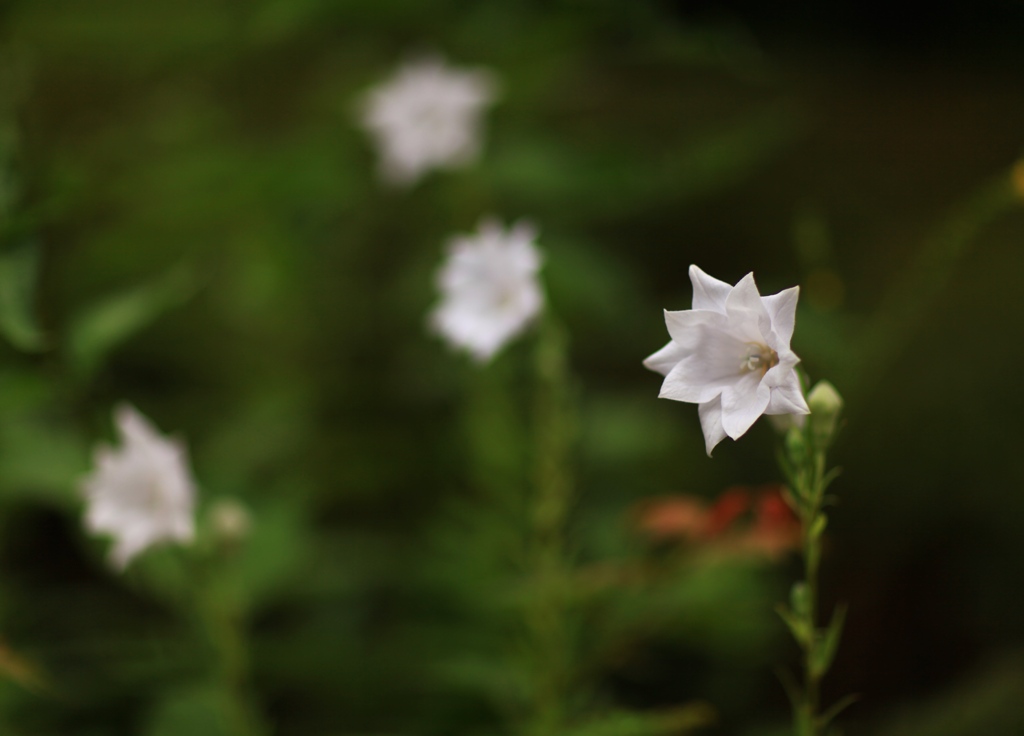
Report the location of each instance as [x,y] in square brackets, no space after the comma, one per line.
[230,521]
[825,404]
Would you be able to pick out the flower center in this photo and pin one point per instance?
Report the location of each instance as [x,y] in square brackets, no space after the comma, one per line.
[759,358]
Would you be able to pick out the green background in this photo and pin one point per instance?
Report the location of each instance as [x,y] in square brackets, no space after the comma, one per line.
[192,222]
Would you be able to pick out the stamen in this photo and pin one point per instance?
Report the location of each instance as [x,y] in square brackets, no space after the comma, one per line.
[759,358]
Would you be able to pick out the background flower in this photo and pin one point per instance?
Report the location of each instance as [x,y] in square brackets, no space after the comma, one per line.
[427,116]
[730,354]
[489,288]
[140,493]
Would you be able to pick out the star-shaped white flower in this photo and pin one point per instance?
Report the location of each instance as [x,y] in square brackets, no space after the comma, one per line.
[489,288]
[427,116]
[730,355]
[141,493]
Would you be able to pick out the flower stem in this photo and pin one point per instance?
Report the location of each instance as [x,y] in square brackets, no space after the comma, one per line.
[223,621]
[804,463]
[812,495]
[547,615]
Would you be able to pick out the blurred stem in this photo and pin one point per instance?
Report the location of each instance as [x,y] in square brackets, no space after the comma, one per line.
[223,620]
[909,299]
[547,617]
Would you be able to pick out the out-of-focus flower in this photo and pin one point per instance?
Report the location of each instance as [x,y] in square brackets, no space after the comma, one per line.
[742,521]
[683,517]
[730,355]
[141,493]
[427,116]
[776,528]
[729,507]
[489,288]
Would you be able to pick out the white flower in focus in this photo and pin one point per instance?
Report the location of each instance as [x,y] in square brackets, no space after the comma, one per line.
[140,493]
[427,116]
[730,355]
[489,288]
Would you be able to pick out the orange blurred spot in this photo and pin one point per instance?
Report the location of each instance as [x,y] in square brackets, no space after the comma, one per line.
[730,506]
[19,669]
[776,528]
[673,516]
[1017,176]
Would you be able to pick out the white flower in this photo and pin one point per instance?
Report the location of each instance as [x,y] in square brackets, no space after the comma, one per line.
[730,355]
[489,288]
[141,493]
[427,116]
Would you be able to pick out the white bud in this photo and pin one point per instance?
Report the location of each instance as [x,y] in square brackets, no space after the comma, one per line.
[825,404]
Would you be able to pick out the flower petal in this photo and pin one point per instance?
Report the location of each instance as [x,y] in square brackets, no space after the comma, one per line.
[711,422]
[665,359]
[742,403]
[782,310]
[687,326]
[786,396]
[708,292]
[748,317]
[695,381]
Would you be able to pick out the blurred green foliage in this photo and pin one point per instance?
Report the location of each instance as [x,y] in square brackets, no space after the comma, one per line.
[191,222]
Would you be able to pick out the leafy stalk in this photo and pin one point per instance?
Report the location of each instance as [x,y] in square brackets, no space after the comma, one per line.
[547,617]
[222,617]
[804,464]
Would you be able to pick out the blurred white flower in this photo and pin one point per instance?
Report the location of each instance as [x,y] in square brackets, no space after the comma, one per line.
[730,355]
[427,116]
[489,288]
[141,493]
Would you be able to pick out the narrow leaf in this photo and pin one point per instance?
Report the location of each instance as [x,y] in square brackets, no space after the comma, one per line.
[830,476]
[799,628]
[825,653]
[838,707]
[818,526]
[19,270]
[104,326]
[791,686]
[799,599]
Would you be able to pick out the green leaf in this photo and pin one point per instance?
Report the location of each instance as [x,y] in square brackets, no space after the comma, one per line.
[19,268]
[799,600]
[818,526]
[798,627]
[838,707]
[791,686]
[826,651]
[829,477]
[103,326]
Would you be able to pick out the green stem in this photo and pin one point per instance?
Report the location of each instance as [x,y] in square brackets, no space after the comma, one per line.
[223,621]
[813,494]
[804,466]
[547,617]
